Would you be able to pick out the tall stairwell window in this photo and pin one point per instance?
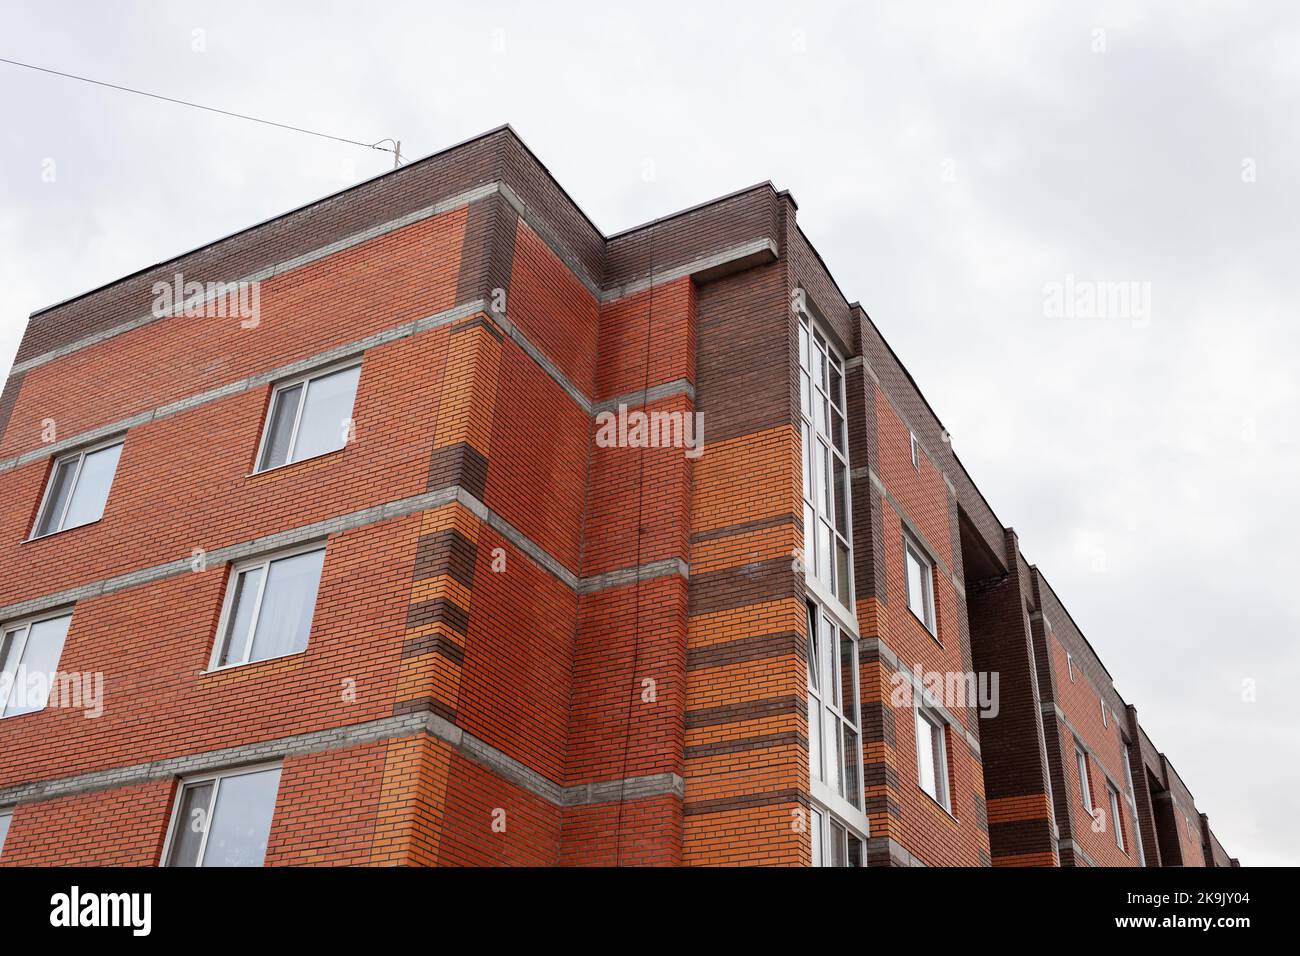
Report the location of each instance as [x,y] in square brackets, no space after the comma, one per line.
[834,741]
[828,554]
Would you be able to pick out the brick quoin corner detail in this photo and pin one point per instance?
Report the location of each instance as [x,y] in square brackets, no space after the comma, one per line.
[527,645]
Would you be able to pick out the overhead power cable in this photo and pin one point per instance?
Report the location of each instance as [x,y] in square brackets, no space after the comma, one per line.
[396,149]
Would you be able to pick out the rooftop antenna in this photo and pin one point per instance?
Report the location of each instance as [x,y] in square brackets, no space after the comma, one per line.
[396,150]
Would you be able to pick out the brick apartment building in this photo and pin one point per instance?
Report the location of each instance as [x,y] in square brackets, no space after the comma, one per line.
[357,575]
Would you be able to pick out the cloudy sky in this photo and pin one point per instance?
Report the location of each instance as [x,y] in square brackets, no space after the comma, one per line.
[952,163]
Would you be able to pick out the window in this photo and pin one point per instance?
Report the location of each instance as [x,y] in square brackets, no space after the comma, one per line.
[6,818]
[1117,820]
[1132,800]
[920,583]
[916,451]
[78,489]
[269,607]
[834,844]
[1069,665]
[826,509]
[932,757]
[223,819]
[29,658]
[1085,786]
[309,417]
[834,731]
[1104,721]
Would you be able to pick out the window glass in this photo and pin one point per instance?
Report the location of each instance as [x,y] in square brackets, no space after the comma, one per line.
[826,493]
[1085,786]
[925,756]
[918,585]
[78,490]
[310,418]
[31,660]
[91,492]
[56,499]
[279,430]
[241,819]
[323,426]
[275,601]
[288,602]
[224,821]
[241,615]
[191,824]
[6,817]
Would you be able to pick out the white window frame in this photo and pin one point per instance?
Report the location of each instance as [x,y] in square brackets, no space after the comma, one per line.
[6,813]
[305,381]
[1131,797]
[1085,781]
[824,700]
[215,777]
[26,624]
[1069,664]
[912,546]
[825,829]
[1104,721]
[80,454]
[937,728]
[815,395]
[237,568]
[1117,821]
[916,450]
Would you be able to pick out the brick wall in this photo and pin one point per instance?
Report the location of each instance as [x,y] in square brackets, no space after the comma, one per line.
[528,647]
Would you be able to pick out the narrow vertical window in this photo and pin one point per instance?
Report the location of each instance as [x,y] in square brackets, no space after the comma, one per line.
[1131,797]
[309,417]
[269,608]
[1069,665]
[932,757]
[827,498]
[916,451]
[6,818]
[834,727]
[920,583]
[78,489]
[29,661]
[224,819]
[1085,785]
[1117,821]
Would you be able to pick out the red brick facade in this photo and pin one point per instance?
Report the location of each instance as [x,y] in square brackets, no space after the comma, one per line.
[530,646]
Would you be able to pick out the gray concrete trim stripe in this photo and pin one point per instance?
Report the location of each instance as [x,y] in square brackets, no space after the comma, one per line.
[288,370]
[898,854]
[910,675]
[443,206]
[273,542]
[320,530]
[1078,850]
[540,557]
[538,225]
[726,256]
[451,203]
[624,576]
[338,738]
[547,366]
[911,527]
[1050,708]
[678,386]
